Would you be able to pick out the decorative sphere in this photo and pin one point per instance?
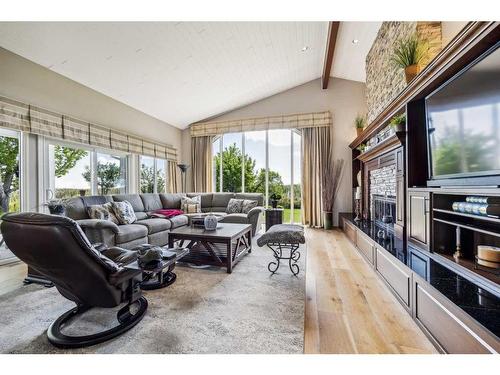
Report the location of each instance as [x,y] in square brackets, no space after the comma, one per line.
[210,222]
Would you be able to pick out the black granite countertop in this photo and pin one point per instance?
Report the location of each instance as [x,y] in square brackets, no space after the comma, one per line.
[479,303]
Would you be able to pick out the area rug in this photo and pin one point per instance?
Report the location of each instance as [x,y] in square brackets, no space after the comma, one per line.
[205,311]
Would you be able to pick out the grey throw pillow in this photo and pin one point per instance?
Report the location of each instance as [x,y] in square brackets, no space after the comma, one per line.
[102,212]
[248,204]
[191,205]
[234,206]
[124,212]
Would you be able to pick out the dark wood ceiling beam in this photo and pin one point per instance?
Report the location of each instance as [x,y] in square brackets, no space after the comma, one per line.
[333,29]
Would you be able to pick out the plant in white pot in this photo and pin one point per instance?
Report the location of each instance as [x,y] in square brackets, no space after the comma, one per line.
[398,122]
[408,53]
[330,182]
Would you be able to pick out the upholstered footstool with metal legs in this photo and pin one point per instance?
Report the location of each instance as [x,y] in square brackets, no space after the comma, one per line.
[284,240]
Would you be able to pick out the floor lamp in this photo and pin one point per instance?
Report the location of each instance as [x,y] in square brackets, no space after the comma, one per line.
[183,168]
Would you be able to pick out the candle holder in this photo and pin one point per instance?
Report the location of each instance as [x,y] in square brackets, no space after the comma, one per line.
[358,210]
[458,249]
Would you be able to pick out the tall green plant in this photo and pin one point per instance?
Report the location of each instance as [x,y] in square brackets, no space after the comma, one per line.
[360,121]
[409,51]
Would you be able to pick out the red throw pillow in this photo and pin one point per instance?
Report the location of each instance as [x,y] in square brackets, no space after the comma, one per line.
[168,213]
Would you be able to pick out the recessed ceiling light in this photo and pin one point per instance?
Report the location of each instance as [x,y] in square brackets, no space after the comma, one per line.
[355,41]
[305,48]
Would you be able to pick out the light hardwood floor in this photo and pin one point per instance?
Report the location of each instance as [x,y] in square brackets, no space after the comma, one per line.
[12,276]
[348,308]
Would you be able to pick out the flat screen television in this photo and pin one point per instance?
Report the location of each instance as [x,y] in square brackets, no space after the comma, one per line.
[463,126]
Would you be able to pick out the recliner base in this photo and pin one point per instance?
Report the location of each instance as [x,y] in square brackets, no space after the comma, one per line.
[126,319]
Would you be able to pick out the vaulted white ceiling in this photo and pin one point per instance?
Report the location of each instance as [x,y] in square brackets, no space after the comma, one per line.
[183,72]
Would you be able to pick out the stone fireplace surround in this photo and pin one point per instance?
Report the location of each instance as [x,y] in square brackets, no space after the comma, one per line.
[382,192]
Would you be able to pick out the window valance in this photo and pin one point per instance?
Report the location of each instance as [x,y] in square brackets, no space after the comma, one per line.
[32,119]
[295,121]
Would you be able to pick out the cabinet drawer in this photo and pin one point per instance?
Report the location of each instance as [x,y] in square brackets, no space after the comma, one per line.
[450,332]
[365,246]
[395,275]
[350,231]
[419,263]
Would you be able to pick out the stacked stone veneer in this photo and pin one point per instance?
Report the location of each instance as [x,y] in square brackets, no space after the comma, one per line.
[384,81]
[383,181]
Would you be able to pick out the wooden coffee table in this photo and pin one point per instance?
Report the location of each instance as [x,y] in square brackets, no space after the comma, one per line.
[223,247]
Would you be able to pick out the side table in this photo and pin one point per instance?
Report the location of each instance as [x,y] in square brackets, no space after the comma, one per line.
[273,216]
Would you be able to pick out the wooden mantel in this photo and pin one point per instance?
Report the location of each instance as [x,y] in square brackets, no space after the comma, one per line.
[473,37]
[386,145]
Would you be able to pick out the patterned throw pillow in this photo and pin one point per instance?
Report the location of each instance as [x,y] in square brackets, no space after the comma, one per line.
[234,206]
[191,205]
[124,212]
[248,204]
[102,212]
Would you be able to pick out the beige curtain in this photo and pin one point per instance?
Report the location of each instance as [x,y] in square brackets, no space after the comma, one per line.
[201,161]
[173,181]
[316,143]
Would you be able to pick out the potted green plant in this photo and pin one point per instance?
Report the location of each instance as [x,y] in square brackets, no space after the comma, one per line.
[360,123]
[361,148]
[274,198]
[398,122]
[330,182]
[408,53]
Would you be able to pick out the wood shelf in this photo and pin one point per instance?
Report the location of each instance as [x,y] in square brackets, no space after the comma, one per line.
[466,226]
[484,218]
[388,144]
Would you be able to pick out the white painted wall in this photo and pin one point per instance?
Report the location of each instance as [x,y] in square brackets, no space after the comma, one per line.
[28,82]
[343,98]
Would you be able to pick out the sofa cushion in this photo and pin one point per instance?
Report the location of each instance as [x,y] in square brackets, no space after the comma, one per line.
[206,199]
[134,199]
[151,202]
[131,232]
[102,212]
[141,215]
[75,209]
[235,219]
[220,201]
[234,206]
[155,225]
[259,197]
[248,204]
[178,221]
[171,200]
[124,212]
[191,205]
[92,200]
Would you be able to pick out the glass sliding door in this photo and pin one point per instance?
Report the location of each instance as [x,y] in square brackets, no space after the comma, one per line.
[161,176]
[280,168]
[232,163]
[255,162]
[216,165]
[111,174]
[297,176]
[147,171]
[10,182]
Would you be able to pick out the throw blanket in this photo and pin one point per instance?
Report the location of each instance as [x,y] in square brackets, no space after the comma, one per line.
[167,213]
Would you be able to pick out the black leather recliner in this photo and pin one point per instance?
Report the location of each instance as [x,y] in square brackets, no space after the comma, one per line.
[57,248]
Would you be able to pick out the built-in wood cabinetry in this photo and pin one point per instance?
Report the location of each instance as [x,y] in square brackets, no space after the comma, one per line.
[419,218]
[448,327]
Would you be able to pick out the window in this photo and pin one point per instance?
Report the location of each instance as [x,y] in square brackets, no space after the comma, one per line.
[70,167]
[264,162]
[111,174]
[10,181]
[153,178]
[72,171]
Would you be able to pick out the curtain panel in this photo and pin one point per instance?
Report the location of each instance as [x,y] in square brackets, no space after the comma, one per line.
[173,180]
[295,121]
[23,117]
[316,144]
[201,161]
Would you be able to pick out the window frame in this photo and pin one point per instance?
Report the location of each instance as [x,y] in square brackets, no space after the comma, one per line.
[155,170]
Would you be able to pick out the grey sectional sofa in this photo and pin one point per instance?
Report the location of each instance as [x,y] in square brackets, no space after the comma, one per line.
[155,230]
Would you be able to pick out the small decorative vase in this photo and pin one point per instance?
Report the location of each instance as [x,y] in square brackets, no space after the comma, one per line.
[411,72]
[210,222]
[274,203]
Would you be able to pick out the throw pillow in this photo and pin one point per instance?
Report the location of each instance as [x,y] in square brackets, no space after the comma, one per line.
[124,212]
[102,212]
[191,205]
[248,204]
[234,206]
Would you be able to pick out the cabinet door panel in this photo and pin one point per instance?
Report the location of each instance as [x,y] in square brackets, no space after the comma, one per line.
[419,218]
[350,231]
[365,246]
[396,276]
[448,330]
